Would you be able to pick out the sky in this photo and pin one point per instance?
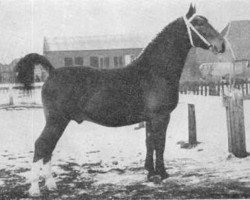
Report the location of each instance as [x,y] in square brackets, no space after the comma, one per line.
[25,23]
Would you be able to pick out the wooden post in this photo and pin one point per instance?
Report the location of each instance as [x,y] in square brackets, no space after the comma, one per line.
[205,89]
[242,88]
[192,139]
[201,88]
[193,87]
[222,88]
[197,88]
[11,100]
[185,88]
[210,89]
[246,87]
[233,101]
[218,89]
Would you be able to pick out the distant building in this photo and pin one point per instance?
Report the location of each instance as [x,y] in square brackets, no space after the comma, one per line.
[96,51]
[234,62]
[7,72]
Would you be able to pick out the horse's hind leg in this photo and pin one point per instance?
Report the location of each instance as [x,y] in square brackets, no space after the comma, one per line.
[44,146]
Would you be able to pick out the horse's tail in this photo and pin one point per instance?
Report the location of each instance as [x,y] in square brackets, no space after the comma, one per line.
[25,68]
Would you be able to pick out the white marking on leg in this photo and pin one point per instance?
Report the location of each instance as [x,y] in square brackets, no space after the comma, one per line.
[49,180]
[35,174]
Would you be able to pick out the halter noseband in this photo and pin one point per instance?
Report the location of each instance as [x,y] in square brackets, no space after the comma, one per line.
[189,27]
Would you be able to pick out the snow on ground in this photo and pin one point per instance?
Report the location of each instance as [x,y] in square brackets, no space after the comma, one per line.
[116,155]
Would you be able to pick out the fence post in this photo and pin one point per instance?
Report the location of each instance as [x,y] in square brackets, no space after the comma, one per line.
[11,100]
[246,83]
[219,89]
[192,139]
[242,88]
[233,101]
[205,89]
[222,88]
[201,88]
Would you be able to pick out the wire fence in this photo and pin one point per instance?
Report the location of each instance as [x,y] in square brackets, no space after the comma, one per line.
[212,88]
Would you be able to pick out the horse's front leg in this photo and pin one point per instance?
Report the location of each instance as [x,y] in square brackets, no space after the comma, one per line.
[155,141]
[160,139]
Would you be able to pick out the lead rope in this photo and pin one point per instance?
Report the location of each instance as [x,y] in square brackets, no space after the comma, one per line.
[190,26]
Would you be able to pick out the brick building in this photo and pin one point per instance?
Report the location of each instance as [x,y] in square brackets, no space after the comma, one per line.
[96,51]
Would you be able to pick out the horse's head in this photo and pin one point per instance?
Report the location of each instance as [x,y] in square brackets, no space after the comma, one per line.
[201,33]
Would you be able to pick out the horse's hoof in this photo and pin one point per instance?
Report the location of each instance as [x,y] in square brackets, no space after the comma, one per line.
[164,175]
[34,191]
[51,184]
[156,179]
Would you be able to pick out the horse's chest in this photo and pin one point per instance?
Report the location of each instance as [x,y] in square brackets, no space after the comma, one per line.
[165,100]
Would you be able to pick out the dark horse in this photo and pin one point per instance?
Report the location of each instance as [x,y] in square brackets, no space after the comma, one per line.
[145,90]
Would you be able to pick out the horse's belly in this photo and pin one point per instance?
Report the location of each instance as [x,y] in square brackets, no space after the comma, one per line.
[115,116]
[113,112]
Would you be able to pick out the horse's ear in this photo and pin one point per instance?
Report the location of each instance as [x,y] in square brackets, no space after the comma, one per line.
[194,9]
[191,11]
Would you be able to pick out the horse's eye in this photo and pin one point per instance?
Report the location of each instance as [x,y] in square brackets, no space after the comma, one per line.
[200,22]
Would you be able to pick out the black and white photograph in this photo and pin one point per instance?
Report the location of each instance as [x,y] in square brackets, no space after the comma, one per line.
[124,99]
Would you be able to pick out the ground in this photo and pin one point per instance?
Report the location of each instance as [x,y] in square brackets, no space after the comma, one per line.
[96,162]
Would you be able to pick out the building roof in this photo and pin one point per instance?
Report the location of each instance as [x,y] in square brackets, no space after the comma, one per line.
[237,35]
[94,42]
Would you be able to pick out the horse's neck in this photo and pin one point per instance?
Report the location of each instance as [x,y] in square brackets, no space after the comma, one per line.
[167,53]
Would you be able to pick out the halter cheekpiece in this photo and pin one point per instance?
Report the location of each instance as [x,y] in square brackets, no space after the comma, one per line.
[190,27]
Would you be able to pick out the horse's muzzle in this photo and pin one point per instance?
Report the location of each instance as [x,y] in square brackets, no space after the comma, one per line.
[217,50]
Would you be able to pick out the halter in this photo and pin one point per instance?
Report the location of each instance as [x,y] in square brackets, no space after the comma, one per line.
[189,27]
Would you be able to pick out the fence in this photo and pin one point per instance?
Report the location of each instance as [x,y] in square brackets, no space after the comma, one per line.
[233,97]
[212,88]
[13,95]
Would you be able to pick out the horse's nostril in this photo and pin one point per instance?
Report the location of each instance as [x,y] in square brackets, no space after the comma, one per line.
[223,48]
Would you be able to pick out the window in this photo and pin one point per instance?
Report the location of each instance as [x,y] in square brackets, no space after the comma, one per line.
[118,62]
[106,62]
[94,61]
[68,62]
[128,59]
[101,61]
[78,61]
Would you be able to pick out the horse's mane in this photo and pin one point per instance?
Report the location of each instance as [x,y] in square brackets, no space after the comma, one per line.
[164,37]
